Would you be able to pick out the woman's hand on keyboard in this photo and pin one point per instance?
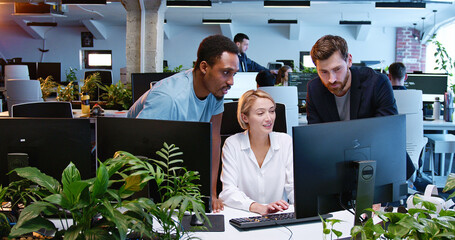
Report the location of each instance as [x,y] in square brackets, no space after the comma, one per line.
[277,206]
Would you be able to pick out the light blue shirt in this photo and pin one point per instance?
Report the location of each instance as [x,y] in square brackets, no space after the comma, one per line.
[173,98]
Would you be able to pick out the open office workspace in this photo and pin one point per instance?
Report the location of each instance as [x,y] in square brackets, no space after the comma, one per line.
[138,42]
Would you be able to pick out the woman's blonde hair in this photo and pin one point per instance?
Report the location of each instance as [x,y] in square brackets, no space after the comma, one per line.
[246,101]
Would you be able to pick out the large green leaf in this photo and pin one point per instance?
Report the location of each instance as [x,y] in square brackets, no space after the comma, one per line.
[101,182]
[33,211]
[36,176]
[73,232]
[74,190]
[450,185]
[59,200]
[70,175]
[32,225]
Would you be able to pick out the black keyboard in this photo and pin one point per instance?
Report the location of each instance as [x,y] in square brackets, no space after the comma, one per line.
[269,220]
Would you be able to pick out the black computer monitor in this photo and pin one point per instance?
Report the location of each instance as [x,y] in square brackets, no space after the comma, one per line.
[324,168]
[143,137]
[301,80]
[432,85]
[45,69]
[48,144]
[140,82]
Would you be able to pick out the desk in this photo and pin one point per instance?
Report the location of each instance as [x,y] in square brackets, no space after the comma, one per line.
[311,230]
[440,125]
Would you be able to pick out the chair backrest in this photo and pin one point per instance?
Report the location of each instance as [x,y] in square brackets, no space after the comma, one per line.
[230,125]
[287,95]
[140,82]
[43,110]
[23,91]
[105,78]
[409,102]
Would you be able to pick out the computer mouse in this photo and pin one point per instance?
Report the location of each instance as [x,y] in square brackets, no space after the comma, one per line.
[195,221]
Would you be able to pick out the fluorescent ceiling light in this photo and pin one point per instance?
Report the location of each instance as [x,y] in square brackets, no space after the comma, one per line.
[400,5]
[190,4]
[216,21]
[272,21]
[287,4]
[344,22]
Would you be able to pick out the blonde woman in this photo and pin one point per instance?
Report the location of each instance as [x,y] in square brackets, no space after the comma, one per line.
[257,171]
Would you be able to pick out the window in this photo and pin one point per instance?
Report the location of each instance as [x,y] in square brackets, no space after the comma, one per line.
[98,59]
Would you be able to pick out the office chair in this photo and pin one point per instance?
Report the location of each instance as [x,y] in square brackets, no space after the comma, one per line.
[230,126]
[141,82]
[409,102]
[105,78]
[23,91]
[43,110]
[287,95]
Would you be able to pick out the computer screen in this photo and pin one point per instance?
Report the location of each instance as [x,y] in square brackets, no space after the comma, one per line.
[143,137]
[48,144]
[45,69]
[432,85]
[301,80]
[98,59]
[140,82]
[243,81]
[324,175]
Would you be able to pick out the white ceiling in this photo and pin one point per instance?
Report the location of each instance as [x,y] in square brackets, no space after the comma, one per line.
[252,12]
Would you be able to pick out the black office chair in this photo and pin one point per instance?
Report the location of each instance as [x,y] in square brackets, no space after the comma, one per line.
[140,82]
[231,126]
[43,110]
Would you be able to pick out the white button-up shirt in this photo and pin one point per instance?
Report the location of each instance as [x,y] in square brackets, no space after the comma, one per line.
[244,182]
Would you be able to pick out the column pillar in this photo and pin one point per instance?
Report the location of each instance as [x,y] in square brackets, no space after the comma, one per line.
[144,35]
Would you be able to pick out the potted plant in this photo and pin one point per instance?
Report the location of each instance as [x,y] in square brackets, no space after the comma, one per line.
[117,96]
[48,86]
[93,203]
[68,93]
[90,85]
[417,223]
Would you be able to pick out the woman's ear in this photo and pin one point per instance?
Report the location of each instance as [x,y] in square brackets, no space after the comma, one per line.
[244,118]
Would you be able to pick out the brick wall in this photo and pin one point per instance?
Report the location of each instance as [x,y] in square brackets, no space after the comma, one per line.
[409,51]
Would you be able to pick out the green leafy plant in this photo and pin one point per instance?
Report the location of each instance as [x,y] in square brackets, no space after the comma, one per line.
[48,86]
[71,74]
[176,69]
[443,60]
[417,223]
[93,204]
[309,70]
[68,93]
[118,96]
[175,184]
[91,84]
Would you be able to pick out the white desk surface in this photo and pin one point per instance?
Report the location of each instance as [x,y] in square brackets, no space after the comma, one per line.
[311,230]
[438,125]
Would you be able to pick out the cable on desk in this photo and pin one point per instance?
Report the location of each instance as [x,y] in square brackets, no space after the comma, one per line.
[344,207]
[290,237]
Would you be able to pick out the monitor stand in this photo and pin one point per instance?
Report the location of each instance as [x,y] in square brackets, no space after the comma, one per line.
[366,173]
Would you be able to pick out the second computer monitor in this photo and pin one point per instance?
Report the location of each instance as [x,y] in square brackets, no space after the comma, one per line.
[144,137]
[324,171]
[301,80]
[432,85]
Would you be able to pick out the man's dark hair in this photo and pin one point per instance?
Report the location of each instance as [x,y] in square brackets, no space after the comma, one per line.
[239,37]
[265,79]
[212,47]
[397,70]
[326,46]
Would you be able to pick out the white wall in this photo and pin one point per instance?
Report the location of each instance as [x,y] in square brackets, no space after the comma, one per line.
[64,44]
[270,43]
[267,43]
